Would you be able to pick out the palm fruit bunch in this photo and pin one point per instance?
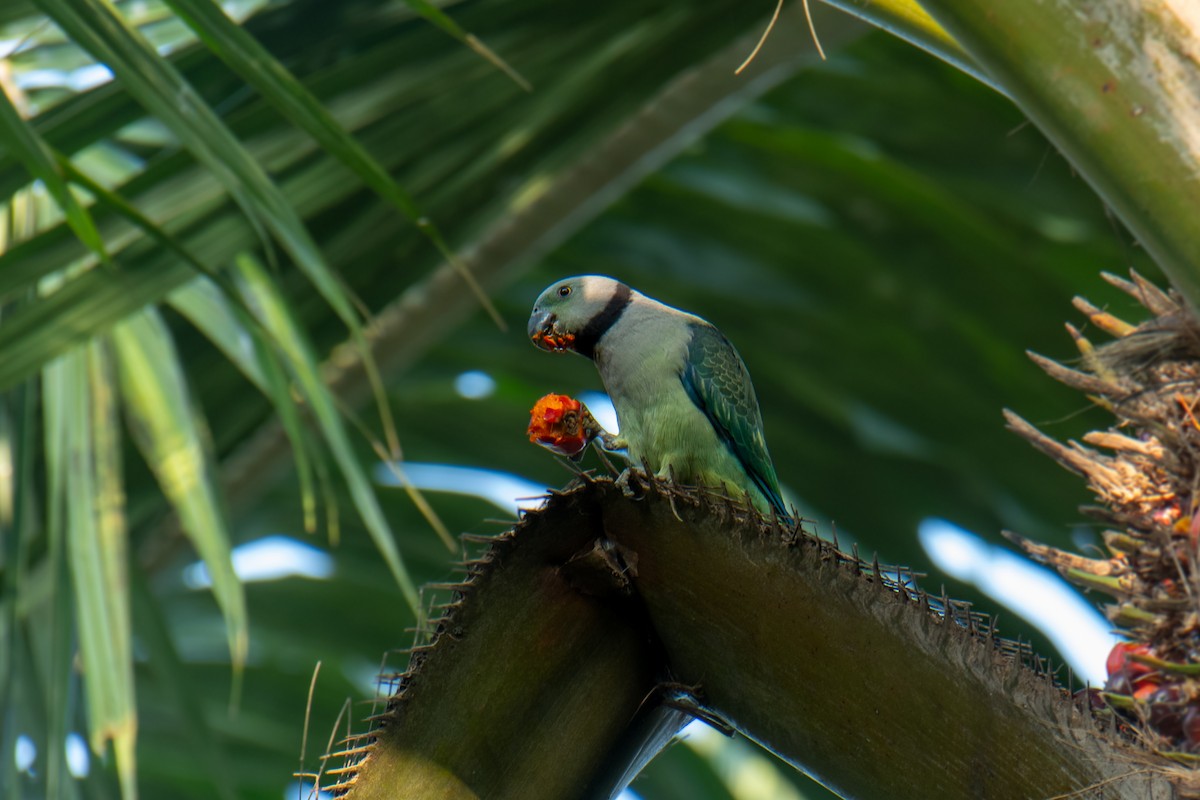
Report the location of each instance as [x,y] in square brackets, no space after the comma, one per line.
[1145,473]
[562,425]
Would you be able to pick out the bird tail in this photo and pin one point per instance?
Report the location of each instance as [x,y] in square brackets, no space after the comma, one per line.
[774,497]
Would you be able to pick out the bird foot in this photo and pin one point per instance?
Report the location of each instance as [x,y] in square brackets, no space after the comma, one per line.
[625,482]
[610,443]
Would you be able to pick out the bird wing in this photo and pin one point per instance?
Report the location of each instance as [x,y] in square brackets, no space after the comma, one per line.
[718,383]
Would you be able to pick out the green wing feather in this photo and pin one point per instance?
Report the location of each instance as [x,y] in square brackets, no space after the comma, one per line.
[719,384]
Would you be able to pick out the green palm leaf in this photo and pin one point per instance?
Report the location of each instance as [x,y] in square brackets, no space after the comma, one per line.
[36,155]
[97,548]
[164,425]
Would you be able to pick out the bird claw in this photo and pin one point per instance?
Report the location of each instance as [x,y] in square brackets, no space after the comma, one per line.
[624,482]
[610,443]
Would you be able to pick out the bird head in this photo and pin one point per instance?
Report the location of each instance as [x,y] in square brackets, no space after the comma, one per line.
[572,314]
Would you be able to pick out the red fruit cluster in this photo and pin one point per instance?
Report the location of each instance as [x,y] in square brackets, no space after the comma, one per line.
[1130,677]
[557,423]
[1161,698]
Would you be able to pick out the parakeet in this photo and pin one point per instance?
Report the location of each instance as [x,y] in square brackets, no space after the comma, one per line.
[682,393]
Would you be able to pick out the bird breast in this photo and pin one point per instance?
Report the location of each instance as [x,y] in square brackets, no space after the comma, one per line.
[658,419]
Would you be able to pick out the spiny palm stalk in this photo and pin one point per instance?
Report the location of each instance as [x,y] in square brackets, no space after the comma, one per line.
[585,636]
[1145,472]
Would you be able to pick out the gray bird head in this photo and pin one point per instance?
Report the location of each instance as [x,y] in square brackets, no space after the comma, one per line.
[573,313]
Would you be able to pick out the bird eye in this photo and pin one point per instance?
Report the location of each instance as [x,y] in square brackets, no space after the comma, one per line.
[563,291]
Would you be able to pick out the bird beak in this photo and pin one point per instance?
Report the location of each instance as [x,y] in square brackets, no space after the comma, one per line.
[545,334]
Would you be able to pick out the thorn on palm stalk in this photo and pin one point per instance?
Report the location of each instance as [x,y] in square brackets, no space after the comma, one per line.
[1145,472]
